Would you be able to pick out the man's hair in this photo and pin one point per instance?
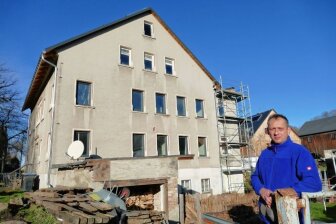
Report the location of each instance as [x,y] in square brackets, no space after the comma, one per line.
[277,116]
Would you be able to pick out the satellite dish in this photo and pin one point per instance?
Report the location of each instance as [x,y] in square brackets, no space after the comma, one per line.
[75,149]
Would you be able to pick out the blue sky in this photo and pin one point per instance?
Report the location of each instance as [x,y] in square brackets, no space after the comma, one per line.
[284,50]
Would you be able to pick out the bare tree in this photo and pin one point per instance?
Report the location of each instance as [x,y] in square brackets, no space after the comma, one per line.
[13,122]
[325,114]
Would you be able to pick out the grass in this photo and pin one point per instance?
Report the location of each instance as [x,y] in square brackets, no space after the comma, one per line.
[317,212]
[32,214]
[5,196]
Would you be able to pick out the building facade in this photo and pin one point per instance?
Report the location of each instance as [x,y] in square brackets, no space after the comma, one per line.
[127,90]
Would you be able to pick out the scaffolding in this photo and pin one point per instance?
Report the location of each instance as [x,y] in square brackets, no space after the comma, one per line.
[235,128]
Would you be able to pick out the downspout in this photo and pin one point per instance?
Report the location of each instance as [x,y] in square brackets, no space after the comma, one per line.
[53,102]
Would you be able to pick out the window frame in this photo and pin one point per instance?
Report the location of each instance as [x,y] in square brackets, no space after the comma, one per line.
[186,188]
[152,61]
[130,63]
[204,182]
[151,29]
[172,64]
[164,108]
[89,94]
[143,145]
[205,146]
[202,108]
[87,144]
[184,105]
[186,147]
[157,144]
[142,100]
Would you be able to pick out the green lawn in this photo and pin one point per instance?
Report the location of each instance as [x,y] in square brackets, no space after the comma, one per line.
[317,212]
[5,196]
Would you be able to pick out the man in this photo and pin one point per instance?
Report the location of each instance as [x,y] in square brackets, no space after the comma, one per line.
[283,164]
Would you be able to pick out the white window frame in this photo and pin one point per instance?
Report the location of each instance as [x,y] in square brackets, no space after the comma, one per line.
[205,145]
[203,110]
[171,62]
[205,185]
[142,100]
[167,144]
[151,29]
[150,58]
[91,93]
[183,184]
[89,144]
[144,144]
[185,106]
[165,104]
[187,151]
[130,62]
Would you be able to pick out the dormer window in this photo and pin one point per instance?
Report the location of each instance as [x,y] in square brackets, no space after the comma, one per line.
[148,29]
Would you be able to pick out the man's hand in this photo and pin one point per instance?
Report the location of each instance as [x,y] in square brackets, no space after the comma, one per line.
[266,195]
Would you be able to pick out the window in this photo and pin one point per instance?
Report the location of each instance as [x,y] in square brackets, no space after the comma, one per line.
[160,103]
[125,56]
[149,62]
[83,93]
[40,112]
[186,184]
[137,100]
[202,146]
[148,29]
[169,64]
[84,137]
[183,145]
[138,145]
[199,108]
[180,104]
[162,145]
[333,136]
[309,139]
[205,185]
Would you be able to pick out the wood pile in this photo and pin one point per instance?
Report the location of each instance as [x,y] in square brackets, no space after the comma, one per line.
[151,216]
[141,202]
[75,206]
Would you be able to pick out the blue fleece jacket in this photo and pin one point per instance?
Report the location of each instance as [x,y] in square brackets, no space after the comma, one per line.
[286,165]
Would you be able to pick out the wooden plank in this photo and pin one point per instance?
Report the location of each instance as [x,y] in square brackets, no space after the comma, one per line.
[101,206]
[87,207]
[69,217]
[105,218]
[46,194]
[51,205]
[135,182]
[89,218]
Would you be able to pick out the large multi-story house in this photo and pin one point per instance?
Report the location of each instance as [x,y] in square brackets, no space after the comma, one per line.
[136,96]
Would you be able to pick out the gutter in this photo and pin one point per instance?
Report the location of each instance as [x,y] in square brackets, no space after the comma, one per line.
[51,132]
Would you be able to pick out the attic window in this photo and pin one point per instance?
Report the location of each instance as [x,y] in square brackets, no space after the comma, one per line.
[148,29]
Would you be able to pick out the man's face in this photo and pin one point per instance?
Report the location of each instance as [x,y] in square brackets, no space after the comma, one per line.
[278,130]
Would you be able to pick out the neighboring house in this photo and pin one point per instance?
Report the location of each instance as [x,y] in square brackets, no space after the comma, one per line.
[260,139]
[319,135]
[135,95]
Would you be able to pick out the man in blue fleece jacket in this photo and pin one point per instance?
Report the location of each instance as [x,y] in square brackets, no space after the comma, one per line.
[283,164]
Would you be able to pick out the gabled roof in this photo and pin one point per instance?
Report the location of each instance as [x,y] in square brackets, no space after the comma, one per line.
[259,118]
[327,124]
[44,69]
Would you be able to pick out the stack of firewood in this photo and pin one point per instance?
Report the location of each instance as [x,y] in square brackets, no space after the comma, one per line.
[137,217]
[73,205]
[145,202]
